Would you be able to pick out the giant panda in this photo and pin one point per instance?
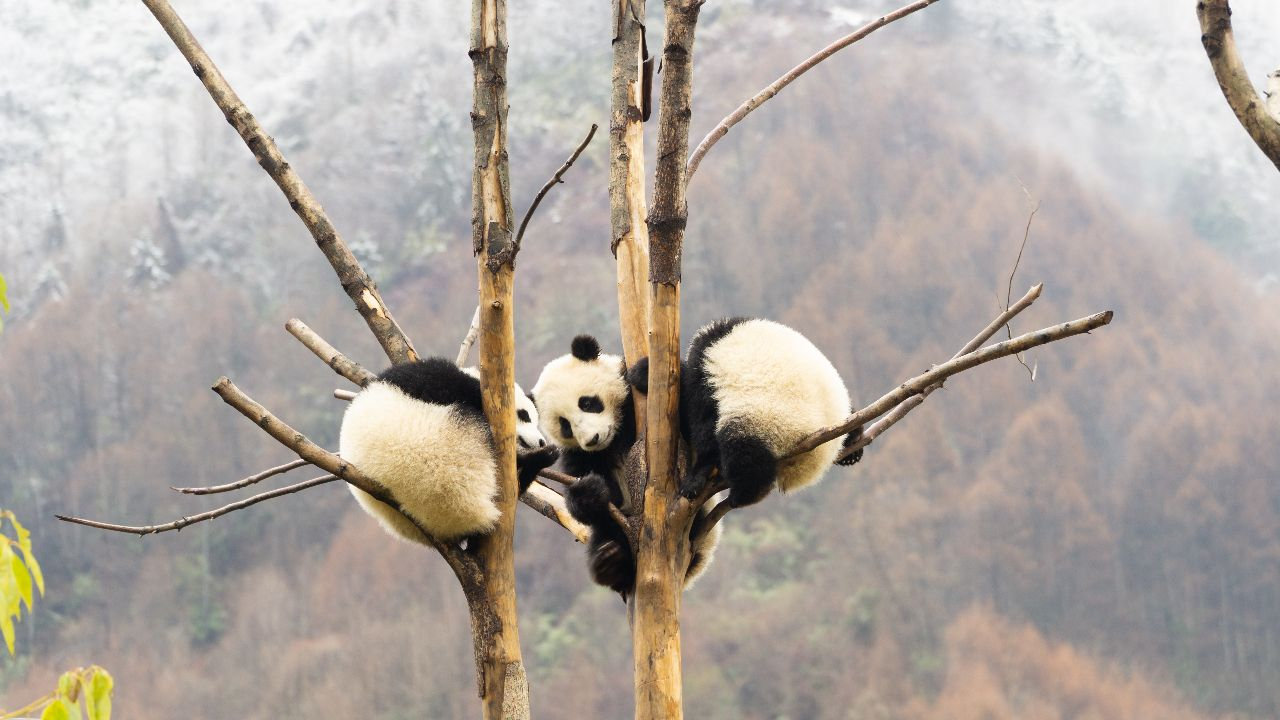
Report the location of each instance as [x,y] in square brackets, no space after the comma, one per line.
[585,406]
[420,430]
[750,390]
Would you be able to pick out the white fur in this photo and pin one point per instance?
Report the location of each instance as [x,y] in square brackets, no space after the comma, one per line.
[772,380]
[707,546]
[566,379]
[437,463]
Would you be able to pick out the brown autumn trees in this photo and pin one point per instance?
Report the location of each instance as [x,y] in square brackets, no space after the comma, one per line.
[647,241]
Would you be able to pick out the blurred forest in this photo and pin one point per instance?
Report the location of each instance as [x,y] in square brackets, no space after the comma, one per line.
[1101,543]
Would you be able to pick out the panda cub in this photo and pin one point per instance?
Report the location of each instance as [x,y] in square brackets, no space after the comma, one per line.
[750,390]
[584,402]
[420,430]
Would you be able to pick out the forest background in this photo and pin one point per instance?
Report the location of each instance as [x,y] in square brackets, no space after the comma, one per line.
[1105,539]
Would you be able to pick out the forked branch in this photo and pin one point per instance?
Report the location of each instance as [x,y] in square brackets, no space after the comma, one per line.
[355,281]
[252,479]
[776,86]
[555,180]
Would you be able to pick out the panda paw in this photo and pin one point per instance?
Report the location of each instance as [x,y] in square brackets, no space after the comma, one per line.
[851,459]
[588,500]
[638,375]
[540,459]
[611,566]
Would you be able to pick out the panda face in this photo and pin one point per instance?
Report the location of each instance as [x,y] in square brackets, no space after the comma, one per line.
[527,434]
[580,397]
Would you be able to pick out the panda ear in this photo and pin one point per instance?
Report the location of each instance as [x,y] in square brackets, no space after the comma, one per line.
[530,396]
[585,348]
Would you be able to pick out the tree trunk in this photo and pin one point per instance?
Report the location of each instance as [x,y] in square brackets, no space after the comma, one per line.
[504,691]
[663,551]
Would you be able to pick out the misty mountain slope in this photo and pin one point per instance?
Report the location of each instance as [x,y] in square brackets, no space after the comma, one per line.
[1103,538]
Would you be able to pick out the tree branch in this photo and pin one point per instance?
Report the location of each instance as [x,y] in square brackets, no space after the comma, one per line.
[355,281]
[201,517]
[473,331]
[776,86]
[551,504]
[555,180]
[917,384]
[462,565]
[1250,109]
[341,364]
[556,476]
[270,472]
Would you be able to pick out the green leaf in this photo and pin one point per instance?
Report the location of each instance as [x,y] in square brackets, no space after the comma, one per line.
[57,710]
[23,577]
[97,696]
[4,300]
[24,544]
[10,598]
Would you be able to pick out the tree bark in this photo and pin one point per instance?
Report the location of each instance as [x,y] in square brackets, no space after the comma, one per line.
[1220,45]
[663,549]
[627,207]
[504,690]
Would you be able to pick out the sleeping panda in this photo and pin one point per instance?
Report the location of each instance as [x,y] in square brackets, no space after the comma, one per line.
[420,430]
[585,407]
[750,390]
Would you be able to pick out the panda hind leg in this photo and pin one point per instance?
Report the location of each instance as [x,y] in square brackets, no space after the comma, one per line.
[849,440]
[610,561]
[748,466]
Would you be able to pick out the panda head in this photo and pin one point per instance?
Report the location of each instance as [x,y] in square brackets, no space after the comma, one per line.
[528,436]
[581,397]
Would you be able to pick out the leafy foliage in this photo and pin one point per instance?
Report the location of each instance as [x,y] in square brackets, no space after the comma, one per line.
[4,301]
[19,572]
[83,693]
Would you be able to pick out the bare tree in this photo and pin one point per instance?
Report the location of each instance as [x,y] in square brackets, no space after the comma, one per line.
[1260,117]
[647,243]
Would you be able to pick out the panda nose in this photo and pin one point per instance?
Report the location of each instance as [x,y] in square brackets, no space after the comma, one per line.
[542,442]
[594,439]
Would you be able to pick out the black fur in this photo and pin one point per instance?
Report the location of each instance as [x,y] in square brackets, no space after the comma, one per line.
[585,347]
[440,382]
[638,375]
[609,555]
[529,463]
[578,462]
[698,408]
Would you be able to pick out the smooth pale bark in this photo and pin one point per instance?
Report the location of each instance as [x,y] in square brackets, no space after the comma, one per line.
[1250,109]
[339,363]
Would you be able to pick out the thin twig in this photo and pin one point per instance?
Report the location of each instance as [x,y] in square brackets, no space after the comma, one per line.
[564,479]
[777,85]
[555,180]
[889,420]
[355,281]
[917,384]
[473,331]
[270,472]
[703,524]
[345,395]
[1008,293]
[201,517]
[341,364]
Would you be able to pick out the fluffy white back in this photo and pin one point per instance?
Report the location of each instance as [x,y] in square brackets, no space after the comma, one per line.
[776,382]
[566,379]
[439,467]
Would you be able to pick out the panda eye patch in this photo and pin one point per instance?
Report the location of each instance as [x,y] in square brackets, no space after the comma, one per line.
[590,403]
[565,429]
[522,415]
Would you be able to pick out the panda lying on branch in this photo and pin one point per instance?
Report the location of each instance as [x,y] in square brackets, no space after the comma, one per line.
[420,430]
[750,390]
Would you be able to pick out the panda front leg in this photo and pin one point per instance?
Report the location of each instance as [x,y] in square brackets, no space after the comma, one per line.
[747,465]
[609,556]
[530,463]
